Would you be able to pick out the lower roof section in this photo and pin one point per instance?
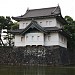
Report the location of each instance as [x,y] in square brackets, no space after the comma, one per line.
[35,26]
[47,29]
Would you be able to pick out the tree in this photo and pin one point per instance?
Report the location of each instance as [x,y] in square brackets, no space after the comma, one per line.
[71,41]
[7,23]
[71,29]
[2,26]
[15,26]
[10,36]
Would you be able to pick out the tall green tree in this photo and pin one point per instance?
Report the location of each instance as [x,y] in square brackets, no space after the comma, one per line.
[71,29]
[2,26]
[71,41]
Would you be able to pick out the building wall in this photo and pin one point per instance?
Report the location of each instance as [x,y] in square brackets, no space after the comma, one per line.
[19,40]
[23,24]
[34,39]
[59,25]
[47,22]
[55,39]
[29,39]
[37,39]
[62,41]
[41,39]
[43,22]
[51,39]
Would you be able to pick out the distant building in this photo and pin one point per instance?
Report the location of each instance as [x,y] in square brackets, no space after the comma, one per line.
[41,27]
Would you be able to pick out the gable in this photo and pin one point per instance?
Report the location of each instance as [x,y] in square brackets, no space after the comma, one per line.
[33,26]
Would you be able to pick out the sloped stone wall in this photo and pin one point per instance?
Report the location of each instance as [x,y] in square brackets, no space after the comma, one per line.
[53,55]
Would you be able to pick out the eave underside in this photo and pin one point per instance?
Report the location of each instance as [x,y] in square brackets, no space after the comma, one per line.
[51,30]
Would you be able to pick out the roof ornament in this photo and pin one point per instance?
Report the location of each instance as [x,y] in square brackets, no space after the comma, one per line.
[53,10]
[58,5]
[27,9]
[56,9]
[59,8]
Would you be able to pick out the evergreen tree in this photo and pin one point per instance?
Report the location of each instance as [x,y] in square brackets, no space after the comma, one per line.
[7,23]
[71,29]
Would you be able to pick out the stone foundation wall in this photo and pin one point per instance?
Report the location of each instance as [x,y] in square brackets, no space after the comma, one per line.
[44,55]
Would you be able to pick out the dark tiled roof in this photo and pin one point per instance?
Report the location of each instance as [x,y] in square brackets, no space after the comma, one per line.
[51,28]
[40,13]
[23,31]
[45,29]
[32,25]
[35,25]
[15,31]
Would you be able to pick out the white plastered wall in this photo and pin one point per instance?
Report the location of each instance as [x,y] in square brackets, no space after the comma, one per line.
[19,40]
[23,24]
[29,39]
[54,39]
[41,39]
[47,22]
[62,41]
[42,22]
[34,39]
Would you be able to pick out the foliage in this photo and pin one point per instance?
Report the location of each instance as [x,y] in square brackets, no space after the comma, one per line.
[15,26]
[7,23]
[71,29]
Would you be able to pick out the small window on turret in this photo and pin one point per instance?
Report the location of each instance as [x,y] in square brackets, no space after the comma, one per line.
[48,38]
[32,37]
[23,24]
[40,23]
[22,38]
[46,22]
[26,24]
[38,37]
[50,22]
[26,37]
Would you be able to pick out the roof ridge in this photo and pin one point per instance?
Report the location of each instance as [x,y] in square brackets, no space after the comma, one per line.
[41,8]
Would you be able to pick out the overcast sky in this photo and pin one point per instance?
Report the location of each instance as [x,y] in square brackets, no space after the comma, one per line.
[19,7]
